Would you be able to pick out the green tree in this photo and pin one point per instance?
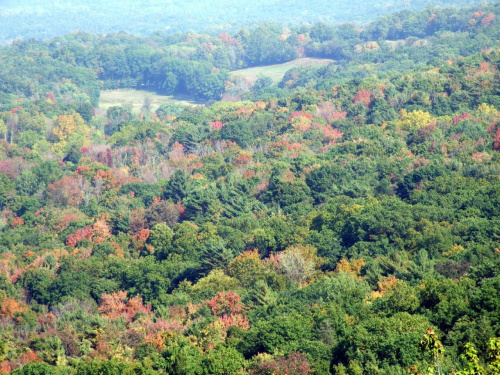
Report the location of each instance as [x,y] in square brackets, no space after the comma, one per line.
[160,237]
[223,361]
[389,342]
[176,187]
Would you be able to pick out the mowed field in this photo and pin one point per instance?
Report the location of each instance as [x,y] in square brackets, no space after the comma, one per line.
[137,98]
[276,72]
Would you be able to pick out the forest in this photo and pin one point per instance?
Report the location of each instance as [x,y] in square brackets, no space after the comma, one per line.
[342,221]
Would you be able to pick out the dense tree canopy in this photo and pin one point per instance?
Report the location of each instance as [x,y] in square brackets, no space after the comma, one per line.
[344,220]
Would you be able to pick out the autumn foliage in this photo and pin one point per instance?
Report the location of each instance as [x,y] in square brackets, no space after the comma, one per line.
[363,97]
[320,224]
[299,114]
[117,305]
[496,139]
[353,267]
[66,191]
[294,364]
[96,233]
[11,307]
[228,308]
[225,303]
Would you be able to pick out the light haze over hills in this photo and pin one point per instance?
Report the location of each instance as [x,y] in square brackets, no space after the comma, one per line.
[24,19]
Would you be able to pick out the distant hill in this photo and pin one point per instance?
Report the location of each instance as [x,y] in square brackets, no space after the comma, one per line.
[44,20]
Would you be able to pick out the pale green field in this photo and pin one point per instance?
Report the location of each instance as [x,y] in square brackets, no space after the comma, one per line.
[276,72]
[136,99]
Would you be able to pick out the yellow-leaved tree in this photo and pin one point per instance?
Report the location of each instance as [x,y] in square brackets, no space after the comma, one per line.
[353,267]
[487,112]
[70,129]
[67,125]
[413,120]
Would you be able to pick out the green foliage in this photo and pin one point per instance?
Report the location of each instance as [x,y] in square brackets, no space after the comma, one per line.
[388,341]
[285,333]
[324,224]
[180,357]
[176,186]
[473,364]
[160,237]
[112,367]
[36,369]
[223,361]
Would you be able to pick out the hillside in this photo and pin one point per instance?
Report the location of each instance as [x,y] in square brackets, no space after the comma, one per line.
[337,218]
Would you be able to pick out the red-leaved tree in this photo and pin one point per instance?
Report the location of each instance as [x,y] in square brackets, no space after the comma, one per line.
[116,305]
[225,303]
[496,138]
[363,97]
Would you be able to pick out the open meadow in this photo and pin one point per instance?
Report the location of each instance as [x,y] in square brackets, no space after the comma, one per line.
[138,98]
[277,71]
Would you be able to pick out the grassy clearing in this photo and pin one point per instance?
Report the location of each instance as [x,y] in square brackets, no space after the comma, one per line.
[136,99]
[276,72]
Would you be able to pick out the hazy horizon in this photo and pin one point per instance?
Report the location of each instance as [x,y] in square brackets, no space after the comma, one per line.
[24,19]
